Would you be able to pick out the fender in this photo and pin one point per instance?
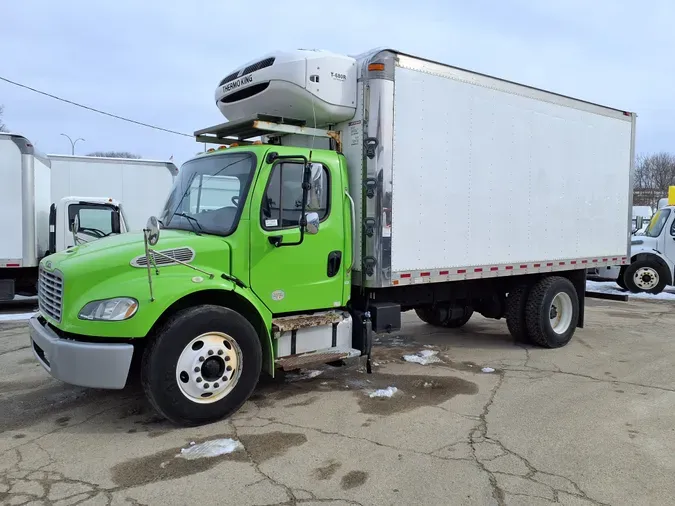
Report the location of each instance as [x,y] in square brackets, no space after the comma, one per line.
[639,252]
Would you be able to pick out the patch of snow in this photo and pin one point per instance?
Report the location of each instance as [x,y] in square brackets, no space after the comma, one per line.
[423,357]
[487,369]
[384,392]
[612,288]
[212,448]
[16,317]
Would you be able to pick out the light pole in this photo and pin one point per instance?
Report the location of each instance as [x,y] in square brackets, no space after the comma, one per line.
[72,143]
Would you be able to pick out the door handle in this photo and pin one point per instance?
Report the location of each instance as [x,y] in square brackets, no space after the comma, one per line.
[334,261]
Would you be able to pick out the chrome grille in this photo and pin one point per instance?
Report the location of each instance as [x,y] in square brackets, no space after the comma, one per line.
[50,293]
[180,254]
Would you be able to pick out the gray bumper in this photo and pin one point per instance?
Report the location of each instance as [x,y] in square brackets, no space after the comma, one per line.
[95,365]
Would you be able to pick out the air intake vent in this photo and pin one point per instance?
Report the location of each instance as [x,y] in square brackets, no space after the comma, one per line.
[229,78]
[267,62]
[180,254]
[245,93]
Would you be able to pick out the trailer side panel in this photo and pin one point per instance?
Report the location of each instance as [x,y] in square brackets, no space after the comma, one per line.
[489,174]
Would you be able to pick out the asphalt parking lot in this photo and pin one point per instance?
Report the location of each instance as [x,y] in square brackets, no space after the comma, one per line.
[592,423]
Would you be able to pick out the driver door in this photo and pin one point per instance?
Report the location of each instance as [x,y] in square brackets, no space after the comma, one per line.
[310,275]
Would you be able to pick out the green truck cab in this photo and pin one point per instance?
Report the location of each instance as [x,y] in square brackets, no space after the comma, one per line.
[229,256]
[347,190]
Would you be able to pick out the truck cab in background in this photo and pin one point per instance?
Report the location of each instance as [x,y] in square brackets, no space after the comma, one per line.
[96,218]
[652,254]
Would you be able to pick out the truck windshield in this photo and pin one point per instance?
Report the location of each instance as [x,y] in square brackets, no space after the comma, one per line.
[209,193]
[657,223]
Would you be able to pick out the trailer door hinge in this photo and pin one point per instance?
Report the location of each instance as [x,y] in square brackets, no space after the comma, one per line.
[369,264]
[370,144]
[369,225]
[370,184]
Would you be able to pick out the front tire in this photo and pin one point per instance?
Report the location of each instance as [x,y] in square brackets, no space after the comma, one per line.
[202,366]
[645,276]
[552,312]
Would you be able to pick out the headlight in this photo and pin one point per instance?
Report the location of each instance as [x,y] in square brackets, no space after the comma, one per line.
[117,309]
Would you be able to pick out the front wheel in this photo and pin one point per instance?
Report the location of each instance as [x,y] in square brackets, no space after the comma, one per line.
[645,276]
[552,312]
[202,366]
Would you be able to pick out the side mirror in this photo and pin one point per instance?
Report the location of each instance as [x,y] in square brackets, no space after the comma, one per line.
[313,221]
[151,231]
[638,222]
[76,228]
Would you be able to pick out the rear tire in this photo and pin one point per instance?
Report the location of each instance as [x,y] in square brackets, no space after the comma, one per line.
[646,276]
[516,304]
[202,366]
[439,316]
[552,312]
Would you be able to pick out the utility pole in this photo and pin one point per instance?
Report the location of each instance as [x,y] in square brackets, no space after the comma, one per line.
[72,143]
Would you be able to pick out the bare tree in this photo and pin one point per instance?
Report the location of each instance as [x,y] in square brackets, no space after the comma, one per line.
[653,175]
[3,127]
[114,154]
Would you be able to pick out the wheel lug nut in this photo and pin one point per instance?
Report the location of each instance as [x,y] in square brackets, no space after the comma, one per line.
[224,378]
[227,359]
[220,352]
[201,359]
[196,369]
[216,385]
[206,385]
[228,368]
[199,380]
[210,352]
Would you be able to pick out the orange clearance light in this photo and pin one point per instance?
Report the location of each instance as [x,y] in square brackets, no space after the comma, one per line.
[376,67]
[221,147]
[257,142]
[234,144]
[210,150]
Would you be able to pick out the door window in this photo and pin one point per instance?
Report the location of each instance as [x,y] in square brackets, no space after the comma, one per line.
[95,220]
[282,203]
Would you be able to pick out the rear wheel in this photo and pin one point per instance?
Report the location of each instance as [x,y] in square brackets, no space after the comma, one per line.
[645,276]
[516,304]
[441,316]
[202,366]
[552,312]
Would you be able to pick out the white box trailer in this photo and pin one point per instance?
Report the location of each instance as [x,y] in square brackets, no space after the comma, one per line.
[24,199]
[468,189]
[140,185]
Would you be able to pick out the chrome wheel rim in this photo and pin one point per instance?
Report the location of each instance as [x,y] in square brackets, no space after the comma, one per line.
[209,367]
[646,278]
[560,313]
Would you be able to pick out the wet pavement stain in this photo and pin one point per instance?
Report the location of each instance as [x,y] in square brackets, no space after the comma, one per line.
[307,402]
[165,465]
[326,472]
[413,392]
[353,479]
[17,386]
[262,447]
[628,315]
[62,421]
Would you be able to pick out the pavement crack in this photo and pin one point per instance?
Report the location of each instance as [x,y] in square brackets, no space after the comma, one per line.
[13,350]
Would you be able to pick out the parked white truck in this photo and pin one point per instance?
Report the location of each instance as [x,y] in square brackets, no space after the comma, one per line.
[39,202]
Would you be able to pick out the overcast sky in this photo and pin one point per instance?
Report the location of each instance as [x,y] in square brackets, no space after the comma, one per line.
[159,61]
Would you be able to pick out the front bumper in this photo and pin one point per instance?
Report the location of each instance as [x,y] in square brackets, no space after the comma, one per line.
[95,365]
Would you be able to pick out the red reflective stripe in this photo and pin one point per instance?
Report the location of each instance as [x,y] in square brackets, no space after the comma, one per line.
[478,269]
[595,260]
[444,273]
[573,262]
[405,275]
[584,261]
[13,265]
[605,259]
[550,264]
[525,266]
[461,271]
[509,267]
[561,263]
[494,268]
[425,274]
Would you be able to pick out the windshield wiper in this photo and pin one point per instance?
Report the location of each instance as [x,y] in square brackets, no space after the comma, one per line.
[191,219]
